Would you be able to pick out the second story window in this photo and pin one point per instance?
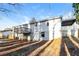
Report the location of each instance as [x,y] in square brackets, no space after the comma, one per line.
[35,24]
[47,23]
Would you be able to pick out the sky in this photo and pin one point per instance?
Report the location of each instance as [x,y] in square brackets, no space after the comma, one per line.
[23,13]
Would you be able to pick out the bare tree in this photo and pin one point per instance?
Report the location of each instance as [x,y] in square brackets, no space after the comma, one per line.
[33,20]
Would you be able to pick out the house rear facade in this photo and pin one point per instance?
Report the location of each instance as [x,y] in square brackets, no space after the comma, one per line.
[47,29]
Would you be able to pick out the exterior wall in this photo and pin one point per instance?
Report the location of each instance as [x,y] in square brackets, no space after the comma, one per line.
[6,34]
[70,30]
[55,29]
[29,36]
[11,36]
[19,31]
[35,31]
[75,29]
[64,33]
[20,36]
[32,31]
[1,36]
[76,33]
[44,28]
[66,30]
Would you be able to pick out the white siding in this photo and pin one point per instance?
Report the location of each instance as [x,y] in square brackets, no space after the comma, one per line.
[75,27]
[20,36]
[35,32]
[71,30]
[29,36]
[44,28]
[56,24]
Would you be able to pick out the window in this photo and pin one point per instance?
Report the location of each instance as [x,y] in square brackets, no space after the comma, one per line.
[35,24]
[47,24]
[42,34]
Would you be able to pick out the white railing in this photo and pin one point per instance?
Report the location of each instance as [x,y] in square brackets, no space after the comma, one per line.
[22,30]
[26,31]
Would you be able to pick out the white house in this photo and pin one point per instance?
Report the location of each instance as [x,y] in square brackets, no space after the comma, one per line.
[21,32]
[69,27]
[47,29]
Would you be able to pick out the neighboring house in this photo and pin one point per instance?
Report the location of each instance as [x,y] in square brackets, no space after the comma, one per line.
[6,34]
[69,27]
[1,36]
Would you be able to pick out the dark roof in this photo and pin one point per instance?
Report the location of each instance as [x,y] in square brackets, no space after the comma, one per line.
[49,19]
[33,22]
[68,22]
[5,30]
[44,20]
